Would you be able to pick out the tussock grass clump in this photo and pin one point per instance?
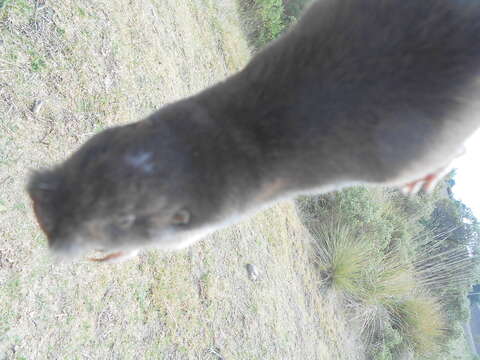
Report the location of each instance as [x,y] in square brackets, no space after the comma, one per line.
[422,323]
[386,291]
[388,279]
[351,263]
[341,258]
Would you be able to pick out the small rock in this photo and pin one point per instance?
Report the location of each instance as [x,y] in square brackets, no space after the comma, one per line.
[37,106]
[253,272]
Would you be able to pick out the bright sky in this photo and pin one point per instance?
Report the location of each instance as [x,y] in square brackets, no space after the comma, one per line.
[467,180]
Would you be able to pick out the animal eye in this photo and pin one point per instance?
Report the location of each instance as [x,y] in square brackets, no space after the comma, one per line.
[125,221]
[181,217]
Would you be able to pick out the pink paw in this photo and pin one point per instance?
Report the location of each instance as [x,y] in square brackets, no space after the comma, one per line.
[427,184]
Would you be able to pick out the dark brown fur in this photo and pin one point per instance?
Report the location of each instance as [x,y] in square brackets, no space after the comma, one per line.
[358,92]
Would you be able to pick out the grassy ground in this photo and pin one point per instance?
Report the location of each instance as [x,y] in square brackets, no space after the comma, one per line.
[93,64]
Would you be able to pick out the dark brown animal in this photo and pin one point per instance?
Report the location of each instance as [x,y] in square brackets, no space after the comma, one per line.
[377,92]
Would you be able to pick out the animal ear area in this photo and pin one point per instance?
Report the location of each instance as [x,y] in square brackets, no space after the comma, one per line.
[181,217]
[43,184]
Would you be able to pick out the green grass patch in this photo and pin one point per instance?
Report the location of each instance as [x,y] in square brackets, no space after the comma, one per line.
[37,63]
[264,20]
[21,7]
[274,20]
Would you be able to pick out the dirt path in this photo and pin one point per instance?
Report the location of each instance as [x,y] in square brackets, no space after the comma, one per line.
[93,64]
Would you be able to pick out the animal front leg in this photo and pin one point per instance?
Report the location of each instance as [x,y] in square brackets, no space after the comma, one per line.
[428,182]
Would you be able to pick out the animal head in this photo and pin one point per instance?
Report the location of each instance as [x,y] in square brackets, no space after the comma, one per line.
[126,188]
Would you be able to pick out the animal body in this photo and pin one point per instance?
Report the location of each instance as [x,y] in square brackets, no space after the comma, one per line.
[376,92]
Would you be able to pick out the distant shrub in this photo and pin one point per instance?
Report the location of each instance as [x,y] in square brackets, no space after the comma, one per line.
[264,20]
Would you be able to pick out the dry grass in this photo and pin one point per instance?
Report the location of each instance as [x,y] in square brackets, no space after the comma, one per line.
[99,63]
